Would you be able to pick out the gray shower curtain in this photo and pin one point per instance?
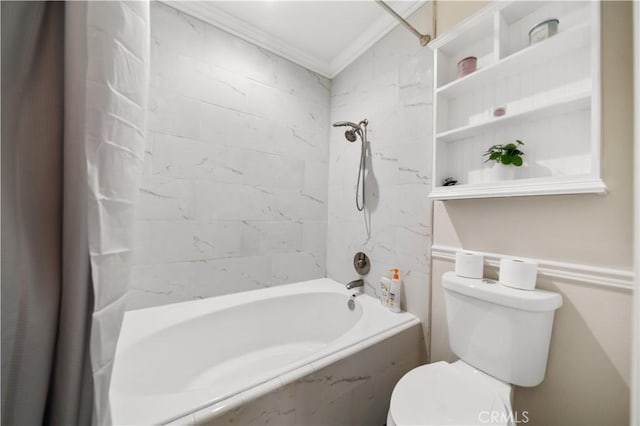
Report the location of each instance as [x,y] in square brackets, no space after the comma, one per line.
[74,93]
[46,280]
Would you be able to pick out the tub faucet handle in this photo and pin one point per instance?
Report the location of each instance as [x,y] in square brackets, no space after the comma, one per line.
[361,263]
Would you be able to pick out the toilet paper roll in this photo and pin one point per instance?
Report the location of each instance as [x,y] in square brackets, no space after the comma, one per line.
[518,273]
[469,265]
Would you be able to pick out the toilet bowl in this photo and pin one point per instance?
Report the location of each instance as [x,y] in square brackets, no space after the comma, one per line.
[449,394]
[501,336]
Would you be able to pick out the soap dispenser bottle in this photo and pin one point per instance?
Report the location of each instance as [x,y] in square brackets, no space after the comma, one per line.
[395,291]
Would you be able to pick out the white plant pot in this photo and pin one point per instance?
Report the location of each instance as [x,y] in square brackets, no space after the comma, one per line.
[500,172]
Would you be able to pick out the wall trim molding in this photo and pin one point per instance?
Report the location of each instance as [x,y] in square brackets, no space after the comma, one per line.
[208,12]
[380,28]
[615,278]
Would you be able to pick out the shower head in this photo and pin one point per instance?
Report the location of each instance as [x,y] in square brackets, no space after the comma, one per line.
[356,129]
[351,135]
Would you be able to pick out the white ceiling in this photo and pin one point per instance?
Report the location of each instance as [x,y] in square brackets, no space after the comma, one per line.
[323,36]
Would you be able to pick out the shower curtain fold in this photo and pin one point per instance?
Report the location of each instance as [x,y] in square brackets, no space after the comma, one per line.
[113,95]
[74,93]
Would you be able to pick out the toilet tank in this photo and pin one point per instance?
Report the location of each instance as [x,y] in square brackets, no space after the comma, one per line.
[502,331]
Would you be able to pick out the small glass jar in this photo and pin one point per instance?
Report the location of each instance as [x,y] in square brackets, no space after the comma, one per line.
[466,66]
[543,31]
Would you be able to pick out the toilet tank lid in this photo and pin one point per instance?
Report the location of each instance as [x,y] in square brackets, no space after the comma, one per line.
[493,292]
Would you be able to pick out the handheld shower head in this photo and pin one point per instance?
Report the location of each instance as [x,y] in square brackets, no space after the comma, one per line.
[345,124]
[351,134]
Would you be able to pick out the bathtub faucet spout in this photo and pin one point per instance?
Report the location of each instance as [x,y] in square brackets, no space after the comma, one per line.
[355,283]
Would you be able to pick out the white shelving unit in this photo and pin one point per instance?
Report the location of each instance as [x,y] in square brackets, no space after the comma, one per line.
[550,90]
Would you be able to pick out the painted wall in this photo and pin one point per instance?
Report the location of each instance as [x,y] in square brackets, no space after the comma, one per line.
[635,370]
[450,12]
[391,86]
[234,195]
[588,373]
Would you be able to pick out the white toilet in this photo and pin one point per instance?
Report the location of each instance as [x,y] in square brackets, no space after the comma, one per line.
[501,336]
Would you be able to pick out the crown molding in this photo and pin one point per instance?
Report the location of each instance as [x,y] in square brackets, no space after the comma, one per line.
[211,14]
[614,278]
[381,27]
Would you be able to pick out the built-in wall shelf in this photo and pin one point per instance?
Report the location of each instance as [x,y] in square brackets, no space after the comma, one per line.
[580,101]
[562,43]
[521,187]
[550,92]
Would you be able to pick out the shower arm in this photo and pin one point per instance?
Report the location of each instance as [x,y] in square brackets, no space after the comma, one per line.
[424,38]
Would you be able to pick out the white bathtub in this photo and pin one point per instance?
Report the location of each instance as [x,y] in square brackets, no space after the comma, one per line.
[177,359]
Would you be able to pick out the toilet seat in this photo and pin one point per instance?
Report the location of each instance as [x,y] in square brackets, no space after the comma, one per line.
[449,394]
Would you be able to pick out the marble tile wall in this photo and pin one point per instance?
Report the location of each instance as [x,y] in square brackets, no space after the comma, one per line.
[390,84]
[353,391]
[234,193]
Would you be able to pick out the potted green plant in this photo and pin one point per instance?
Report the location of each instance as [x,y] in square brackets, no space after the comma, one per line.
[507,157]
